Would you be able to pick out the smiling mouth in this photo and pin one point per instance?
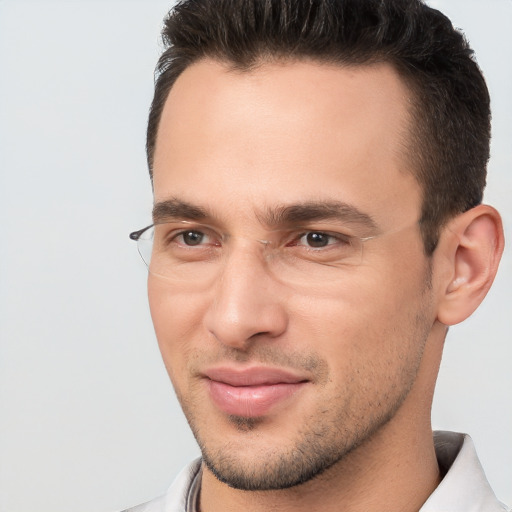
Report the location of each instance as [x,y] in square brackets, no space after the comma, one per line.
[253,392]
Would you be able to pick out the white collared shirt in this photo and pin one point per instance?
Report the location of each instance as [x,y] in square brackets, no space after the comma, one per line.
[464,487]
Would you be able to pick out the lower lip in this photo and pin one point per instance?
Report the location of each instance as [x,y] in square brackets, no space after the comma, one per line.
[250,401]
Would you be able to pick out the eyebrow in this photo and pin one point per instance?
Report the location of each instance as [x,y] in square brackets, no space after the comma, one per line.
[174,208]
[282,215]
[317,211]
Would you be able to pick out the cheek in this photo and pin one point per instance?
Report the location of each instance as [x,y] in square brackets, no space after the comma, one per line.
[177,318]
[372,318]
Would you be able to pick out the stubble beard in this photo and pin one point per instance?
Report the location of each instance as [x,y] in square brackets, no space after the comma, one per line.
[316,448]
[323,441]
[309,457]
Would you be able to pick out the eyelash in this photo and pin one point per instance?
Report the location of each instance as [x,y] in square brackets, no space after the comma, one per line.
[338,238]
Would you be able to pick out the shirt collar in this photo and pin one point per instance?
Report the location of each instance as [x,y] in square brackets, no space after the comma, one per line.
[464,487]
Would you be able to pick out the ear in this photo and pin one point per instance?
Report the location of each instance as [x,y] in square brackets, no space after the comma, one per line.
[470,249]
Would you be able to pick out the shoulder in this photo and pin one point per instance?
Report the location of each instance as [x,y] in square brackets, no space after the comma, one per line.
[155,505]
[175,499]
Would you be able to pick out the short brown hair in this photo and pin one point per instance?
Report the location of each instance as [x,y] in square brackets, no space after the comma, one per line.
[450,138]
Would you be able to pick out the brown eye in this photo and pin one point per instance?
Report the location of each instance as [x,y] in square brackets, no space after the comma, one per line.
[317,240]
[192,237]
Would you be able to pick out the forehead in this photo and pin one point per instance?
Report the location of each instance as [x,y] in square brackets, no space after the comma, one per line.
[287,133]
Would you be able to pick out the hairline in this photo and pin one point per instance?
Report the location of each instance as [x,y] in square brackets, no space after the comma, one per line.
[412,157]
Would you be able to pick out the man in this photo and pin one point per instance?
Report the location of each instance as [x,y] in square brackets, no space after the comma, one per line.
[318,169]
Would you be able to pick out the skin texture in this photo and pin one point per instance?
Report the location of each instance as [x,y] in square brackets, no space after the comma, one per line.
[365,343]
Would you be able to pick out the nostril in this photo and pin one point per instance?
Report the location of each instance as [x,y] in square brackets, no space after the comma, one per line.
[236,324]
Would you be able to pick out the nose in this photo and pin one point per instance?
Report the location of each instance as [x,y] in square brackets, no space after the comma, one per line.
[247,303]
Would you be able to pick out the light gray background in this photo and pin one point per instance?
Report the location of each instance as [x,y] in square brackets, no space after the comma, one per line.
[88,420]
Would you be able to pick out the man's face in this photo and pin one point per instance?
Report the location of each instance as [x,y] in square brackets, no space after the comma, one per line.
[284,364]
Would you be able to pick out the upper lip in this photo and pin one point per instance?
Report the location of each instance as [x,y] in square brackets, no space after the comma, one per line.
[253,376]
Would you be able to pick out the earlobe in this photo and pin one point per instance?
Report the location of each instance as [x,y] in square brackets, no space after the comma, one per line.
[471,247]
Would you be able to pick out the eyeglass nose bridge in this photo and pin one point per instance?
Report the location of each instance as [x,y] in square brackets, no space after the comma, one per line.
[250,255]
[248,248]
